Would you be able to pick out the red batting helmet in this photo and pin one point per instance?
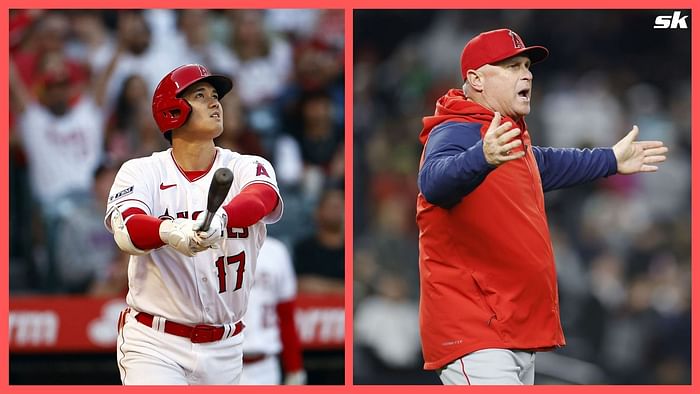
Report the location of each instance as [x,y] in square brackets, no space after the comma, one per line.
[169,110]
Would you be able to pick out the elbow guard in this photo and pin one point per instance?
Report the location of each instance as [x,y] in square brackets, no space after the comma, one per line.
[121,234]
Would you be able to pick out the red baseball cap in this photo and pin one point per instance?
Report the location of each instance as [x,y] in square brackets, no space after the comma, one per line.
[496,45]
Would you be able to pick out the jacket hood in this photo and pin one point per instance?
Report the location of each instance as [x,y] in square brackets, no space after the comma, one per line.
[454,107]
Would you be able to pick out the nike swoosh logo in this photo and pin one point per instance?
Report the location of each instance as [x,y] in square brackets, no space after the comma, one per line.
[163,187]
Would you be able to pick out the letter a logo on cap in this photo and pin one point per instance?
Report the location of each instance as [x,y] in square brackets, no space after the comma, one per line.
[517,41]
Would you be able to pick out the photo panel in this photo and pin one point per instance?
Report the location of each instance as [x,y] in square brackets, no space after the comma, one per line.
[473,254]
[120,121]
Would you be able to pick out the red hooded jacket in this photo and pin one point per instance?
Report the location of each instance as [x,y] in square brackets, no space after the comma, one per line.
[487,270]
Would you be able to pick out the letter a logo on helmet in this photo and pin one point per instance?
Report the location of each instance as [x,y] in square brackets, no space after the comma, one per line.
[169,110]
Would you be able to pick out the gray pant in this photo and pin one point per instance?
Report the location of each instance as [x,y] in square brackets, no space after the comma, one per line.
[491,367]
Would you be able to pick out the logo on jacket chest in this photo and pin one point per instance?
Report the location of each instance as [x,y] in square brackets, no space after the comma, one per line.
[231,232]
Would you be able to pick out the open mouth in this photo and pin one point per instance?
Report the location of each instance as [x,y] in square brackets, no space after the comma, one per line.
[216,115]
[524,94]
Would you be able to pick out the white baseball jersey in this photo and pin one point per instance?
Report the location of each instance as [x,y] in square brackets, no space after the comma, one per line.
[63,151]
[275,282]
[213,286]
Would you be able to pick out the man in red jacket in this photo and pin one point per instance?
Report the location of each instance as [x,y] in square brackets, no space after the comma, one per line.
[488,282]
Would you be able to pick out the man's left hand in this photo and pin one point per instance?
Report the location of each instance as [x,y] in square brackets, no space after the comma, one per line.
[638,156]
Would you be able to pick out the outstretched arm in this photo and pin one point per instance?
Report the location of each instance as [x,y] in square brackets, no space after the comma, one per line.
[19,95]
[638,156]
[457,160]
[565,167]
[253,203]
[101,81]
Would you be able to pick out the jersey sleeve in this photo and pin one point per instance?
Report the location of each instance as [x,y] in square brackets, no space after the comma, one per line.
[131,189]
[454,163]
[566,167]
[255,169]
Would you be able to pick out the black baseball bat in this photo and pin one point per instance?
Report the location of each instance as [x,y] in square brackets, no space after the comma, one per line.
[220,185]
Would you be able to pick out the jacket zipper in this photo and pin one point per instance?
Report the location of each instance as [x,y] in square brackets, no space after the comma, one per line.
[532,176]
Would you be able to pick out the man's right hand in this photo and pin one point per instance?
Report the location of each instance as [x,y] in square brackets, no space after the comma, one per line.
[216,231]
[499,142]
[179,234]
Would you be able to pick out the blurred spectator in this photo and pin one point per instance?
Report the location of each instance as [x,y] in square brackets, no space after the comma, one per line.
[296,24]
[271,335]
[336,168]
[196,44]
[589,113]
[318,67]
[131,130]
[86,256]
[318,139]
[62,133]
[305,25]
[392,242]
[330,28]
[317,64]
[42,50]
[237,135]
[287,156]
[262,63]
[386,323]
[92,44]
[319,259]
[666,195]
[20,22]
[628,335]
[138,51]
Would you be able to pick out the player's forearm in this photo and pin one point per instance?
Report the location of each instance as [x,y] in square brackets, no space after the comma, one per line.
[565,167]
[453,163]
[445,180]
[253,203]
[143,229]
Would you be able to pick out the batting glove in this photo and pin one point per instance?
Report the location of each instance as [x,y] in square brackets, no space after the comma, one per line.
[215,233]
[179,234]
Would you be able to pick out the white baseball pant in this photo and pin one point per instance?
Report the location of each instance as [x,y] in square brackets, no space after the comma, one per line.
[149,357]
[491,367]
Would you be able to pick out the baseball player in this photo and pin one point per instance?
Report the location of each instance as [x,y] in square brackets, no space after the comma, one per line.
[489,297]
[188,289]
[270,328]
